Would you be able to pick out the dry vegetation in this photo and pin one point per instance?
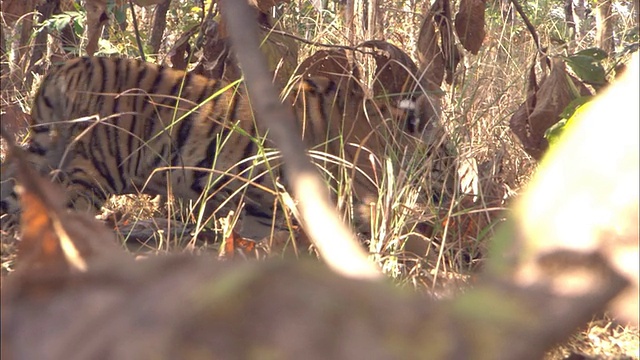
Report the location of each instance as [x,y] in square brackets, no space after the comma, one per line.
[487,89]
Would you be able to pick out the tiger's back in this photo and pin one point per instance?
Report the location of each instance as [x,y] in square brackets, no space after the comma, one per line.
[150,117]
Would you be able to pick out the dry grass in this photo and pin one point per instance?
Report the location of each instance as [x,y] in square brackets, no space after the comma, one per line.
[602,338]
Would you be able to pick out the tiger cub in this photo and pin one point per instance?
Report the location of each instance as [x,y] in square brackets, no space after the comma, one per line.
[111,126]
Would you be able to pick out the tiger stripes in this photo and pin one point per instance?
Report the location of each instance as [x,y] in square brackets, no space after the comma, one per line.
[113,126]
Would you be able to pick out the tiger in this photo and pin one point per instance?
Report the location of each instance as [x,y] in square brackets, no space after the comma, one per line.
[107,126]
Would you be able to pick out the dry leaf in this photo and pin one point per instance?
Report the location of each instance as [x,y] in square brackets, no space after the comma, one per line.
[430,57]
[543,107]
[333,64]
[236,244]
[441,11]
[180,52]
[96,19]
[469,24]
[395,71]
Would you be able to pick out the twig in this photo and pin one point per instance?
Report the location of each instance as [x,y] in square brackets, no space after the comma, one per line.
[137,32]
[335,242]
[527,22]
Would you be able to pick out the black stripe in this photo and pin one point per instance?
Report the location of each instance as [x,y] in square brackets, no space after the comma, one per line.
[46,99]
[184,130]
[90,71]
[35,148]
[156,83]
[118,154]
[249,150]
[134,159]
[158,157]
[207,92]
[40,129]
[177,87]
[141,74]
[81,150]
[72,65]
[95,193]
[99,163]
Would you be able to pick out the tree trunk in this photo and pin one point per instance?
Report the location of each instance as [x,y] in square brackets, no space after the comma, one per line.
[4,61]
[348,20]
[569,19]
[604,26]
[374,23]
[159,24]
[26,28]
[579,16]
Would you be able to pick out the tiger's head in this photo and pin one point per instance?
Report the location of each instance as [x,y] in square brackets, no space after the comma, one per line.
[422,118]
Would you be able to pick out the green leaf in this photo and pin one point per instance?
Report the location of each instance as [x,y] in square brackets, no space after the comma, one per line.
[59,21]
[568,116]
[120,15]
[587,69]
[554,133]
[596,53]
[574,105]
[78,29]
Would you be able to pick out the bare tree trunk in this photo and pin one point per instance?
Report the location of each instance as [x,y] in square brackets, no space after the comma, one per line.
[40,45]
[508,15]
[604,26]
[159,25]
[374,25]
[349,23]
[569,19]
[4,61]
[26,27]
[579,16]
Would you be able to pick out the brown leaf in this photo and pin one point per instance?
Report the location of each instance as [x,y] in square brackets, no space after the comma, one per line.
[519,122]
[441,11]
[180,52]
[395,71]
[430,56]
[543,107]
[96,19]
[236,244]
[469,24]
[333,64]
